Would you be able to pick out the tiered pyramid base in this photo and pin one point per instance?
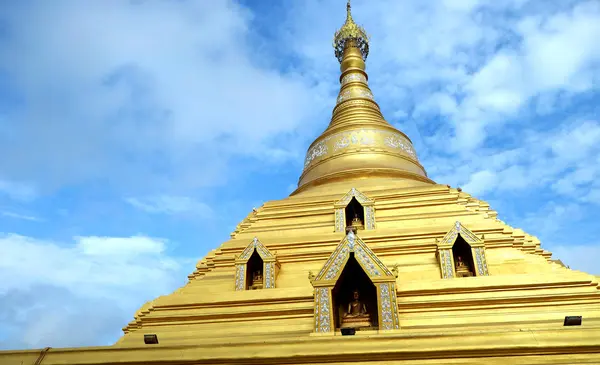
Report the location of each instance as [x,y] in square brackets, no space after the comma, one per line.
[559,346]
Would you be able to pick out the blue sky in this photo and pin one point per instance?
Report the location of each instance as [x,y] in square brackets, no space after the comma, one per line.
[136,135]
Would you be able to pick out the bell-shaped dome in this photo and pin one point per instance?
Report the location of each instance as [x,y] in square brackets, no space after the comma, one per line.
[358,142]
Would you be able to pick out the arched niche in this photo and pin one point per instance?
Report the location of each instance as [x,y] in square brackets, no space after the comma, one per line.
[255,258]
[351,259]
[461,242]
[354,202]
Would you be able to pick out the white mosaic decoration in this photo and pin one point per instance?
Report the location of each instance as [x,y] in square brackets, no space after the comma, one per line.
[351,237]
[375,138]
[322,313]
[446,263]
[340,220]
[358,93]
[401,143]
[354,193]
[450,237]
[389,307]
[255,245]
[338,263]
[240,277]
[318,150]
[269,275]
[344,95]
[365,93]
[262,252]
[366,261]
[363,138]
[387,317]
[354,77]
[481,262]
[370,217]
[247,252]
[466,234]
[317,307]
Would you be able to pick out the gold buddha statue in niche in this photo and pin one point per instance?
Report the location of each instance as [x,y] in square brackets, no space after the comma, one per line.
[257,280]
[356,223]
[356,315]
[462,269]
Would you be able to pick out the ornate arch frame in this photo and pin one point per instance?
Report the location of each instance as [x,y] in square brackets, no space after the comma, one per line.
[379,274]
[270,265]
[444,251]
[340,210]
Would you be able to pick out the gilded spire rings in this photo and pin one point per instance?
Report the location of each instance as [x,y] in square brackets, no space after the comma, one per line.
[350,31]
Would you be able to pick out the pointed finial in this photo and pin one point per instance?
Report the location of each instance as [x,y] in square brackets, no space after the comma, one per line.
[350,31]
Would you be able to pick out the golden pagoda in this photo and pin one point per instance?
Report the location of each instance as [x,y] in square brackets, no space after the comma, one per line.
[368,261]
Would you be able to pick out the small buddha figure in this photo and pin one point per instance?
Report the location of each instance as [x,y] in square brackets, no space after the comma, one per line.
[357,223]
[356,315]
[462,269]
[257,280]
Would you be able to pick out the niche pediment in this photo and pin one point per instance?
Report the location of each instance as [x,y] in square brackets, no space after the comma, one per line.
[256,267]
[367,259]
[324,283]
[366,213]
[447,255]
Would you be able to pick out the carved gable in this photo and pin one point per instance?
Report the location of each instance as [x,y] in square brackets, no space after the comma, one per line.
[340,213]
[370,263]
[259,247]
[446,258]
[378,273]
[270,265]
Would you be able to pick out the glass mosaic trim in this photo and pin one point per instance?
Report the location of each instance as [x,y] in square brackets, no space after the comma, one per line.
[240,277]
[389,306]
[322,310]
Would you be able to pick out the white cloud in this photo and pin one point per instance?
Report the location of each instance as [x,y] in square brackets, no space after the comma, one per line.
[552,218]
[119,246]
[563,159]
[50,287]
[163,89]
[20,216]
[480,182]
[559,50]
[167,204]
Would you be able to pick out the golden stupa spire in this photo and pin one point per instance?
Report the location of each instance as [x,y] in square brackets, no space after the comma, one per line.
[358,142]
[350,31]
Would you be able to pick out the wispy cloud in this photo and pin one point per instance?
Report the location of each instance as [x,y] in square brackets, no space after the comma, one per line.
[76,278]
[134,111]
[20,216]
[172,205]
